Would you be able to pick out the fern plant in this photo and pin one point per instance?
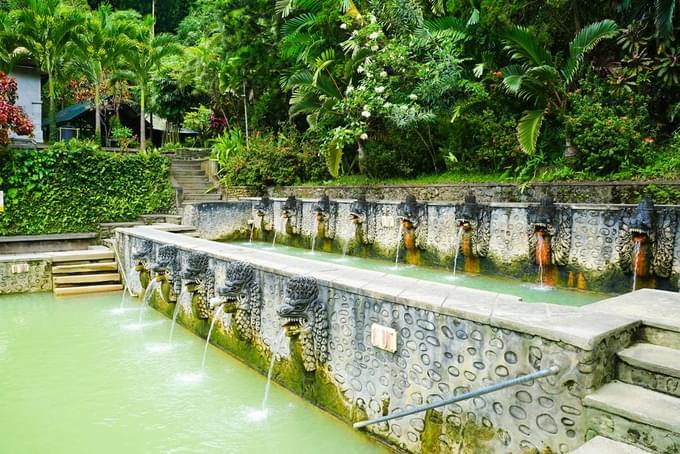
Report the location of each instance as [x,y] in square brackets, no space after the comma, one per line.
[536,78]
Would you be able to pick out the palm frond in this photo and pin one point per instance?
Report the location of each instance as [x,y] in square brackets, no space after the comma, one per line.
[663,17]
[523,47]
[584,41]
[299,23]
[529,128]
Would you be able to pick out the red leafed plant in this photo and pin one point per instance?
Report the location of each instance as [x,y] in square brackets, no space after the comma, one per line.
[11,117]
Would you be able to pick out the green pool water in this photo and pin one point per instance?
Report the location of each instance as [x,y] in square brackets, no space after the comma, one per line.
[529,292]
[81,375]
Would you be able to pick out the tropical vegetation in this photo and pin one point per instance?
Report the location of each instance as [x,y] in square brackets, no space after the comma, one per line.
[321,90]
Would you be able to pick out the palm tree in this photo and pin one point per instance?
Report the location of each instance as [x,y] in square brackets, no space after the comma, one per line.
[103,45]
[49,32]
[537,79]
[147,50]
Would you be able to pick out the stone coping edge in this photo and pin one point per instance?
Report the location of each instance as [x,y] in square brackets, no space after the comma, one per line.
[48,237]
[567,324]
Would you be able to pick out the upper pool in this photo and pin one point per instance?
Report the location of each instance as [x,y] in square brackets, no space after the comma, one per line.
[81,374]
[529,292]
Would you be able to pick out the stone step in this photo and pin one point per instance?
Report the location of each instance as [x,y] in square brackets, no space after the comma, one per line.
[660,336]
[85,268]
[174,228]
[601,445]
[652,366]
[83,289]
[635,415]
[189,173]
[76,279]
[192,179]
[186,164]
[81,256]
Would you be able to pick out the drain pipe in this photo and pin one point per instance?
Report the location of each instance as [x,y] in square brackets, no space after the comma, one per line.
[552,370]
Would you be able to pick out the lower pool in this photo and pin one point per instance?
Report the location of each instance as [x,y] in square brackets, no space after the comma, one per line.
[83,375]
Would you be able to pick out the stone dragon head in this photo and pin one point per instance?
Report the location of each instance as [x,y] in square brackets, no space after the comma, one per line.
[199,282]
[241,296]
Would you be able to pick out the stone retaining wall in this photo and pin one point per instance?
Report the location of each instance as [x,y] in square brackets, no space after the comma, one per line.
[449,340]
[565,192]
[37,278]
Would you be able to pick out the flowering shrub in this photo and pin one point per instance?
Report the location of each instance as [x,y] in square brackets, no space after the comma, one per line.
[11,117]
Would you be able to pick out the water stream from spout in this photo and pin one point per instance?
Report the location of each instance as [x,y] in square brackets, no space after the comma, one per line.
[252,229]
[275,348]
[636,255]
[218,312]
[345,248]
[459,237]
[540,246]
[178,303]
[145,299]
[274,241]
[399,235]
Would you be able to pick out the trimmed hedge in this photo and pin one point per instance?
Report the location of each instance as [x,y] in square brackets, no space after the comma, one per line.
[74,186]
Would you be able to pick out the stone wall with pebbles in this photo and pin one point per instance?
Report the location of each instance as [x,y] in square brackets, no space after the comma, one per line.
[442,350]
[38,277]
[593,259]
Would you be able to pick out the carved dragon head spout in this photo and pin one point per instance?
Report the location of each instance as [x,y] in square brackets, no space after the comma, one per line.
[166,270]
[141,255]
[305,316]
[647,240]
[549,232]
[322,208]
[410,212]
[289,208]
[199,282]
[241,296]
[642,219]
[468,213]
[358,210]
[263,211]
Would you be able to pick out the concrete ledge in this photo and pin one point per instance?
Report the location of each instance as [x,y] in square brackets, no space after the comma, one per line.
[654,308]
[601,445]
[571,325]
[46,243]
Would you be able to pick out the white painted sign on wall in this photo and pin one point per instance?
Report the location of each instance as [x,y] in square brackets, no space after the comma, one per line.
[2,201]
[19,268]
[384,338]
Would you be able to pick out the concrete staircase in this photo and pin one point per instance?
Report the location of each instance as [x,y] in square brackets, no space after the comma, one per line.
[195,183]
[641,409]
[89,271]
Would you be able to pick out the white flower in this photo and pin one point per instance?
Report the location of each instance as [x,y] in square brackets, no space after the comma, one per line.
[349,90]
[343,26]
[412,96]
[372,18]
[383,74]
[360,69]
[363,136]
[387,105]
[403,107]
[380,89]
[366,114]
[374,35]
[365,107]
[374,48]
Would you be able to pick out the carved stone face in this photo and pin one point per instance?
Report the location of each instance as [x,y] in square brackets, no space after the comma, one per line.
[166,259]
[542,217]
[322,208]
[289,207]
[197,266]
[143,252]
[262,206]
[358,210]
[642,219]
[409,209]
[239,275]
[468,214]
[295,312]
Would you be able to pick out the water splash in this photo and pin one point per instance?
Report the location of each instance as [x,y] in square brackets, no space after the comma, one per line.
[459,238]
[345,248]
[399,235]
[274,241]
[252,229]
[636,255]
[275,348]
[540,247]
[207,340]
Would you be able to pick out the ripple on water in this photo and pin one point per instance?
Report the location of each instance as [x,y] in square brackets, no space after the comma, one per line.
[190,377]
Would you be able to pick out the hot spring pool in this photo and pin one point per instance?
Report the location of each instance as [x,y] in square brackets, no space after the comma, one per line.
[81,375]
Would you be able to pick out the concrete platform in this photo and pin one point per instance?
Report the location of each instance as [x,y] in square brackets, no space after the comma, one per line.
[601,445]
[22,244]
[654,308]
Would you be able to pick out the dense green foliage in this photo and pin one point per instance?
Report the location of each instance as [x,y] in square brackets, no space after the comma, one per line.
[74,186]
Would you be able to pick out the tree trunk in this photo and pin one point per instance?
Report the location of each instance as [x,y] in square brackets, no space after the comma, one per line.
[142,121]
[570,153]
[52,115]
[97,115]
[361,155]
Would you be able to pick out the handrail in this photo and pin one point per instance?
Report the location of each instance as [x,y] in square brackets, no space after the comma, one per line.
[552,370]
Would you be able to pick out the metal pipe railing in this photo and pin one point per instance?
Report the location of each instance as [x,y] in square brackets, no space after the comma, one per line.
[552,370]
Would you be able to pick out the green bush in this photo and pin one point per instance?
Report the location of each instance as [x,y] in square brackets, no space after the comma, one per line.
[611,133]
[74,186]
[273,160]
